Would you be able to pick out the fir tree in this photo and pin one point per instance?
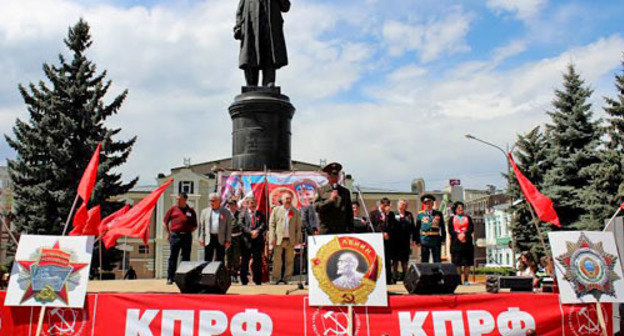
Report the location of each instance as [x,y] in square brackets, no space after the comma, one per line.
[573,141]
[530,156]
[606,187]
[53,147]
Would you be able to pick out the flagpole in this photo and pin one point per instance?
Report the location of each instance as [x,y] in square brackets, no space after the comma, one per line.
[69,216]
[100,253]
[539,231]
[612,218]
[8,230]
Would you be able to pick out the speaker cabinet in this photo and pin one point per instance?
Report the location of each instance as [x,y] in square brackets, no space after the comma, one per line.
[214,278]
[202,277]
[436,278]
[187,276]
[494,283]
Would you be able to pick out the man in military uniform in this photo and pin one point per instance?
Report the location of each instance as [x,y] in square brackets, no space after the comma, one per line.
[333,204]
[430,231]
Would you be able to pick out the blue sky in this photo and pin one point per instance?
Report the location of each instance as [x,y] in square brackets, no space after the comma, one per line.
[388,88]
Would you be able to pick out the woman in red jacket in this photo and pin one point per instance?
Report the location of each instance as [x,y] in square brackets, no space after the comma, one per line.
[460,227]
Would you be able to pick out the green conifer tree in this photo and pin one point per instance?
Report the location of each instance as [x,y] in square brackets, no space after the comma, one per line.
[530,156]
[573,141]
[606,186]
[67,115]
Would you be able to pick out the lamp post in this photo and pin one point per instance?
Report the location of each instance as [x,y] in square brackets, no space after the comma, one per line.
[505,152]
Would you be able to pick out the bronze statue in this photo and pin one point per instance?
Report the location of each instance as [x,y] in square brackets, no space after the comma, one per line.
[259,27]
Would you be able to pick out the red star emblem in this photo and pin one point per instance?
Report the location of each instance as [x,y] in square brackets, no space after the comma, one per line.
[50,256]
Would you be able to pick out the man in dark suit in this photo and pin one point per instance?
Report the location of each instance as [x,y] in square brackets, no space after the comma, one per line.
[333,204]
[253,225]
[384,221]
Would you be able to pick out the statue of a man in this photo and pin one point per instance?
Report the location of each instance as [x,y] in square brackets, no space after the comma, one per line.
[259,26]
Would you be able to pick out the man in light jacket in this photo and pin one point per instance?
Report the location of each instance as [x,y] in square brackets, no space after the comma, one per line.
[215,229]
[284,234]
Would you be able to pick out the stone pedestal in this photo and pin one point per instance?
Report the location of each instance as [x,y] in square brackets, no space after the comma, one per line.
[261,119]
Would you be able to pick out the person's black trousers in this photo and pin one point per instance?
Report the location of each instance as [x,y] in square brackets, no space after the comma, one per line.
[435,251]
[255,252]
[179,242]
[214,247]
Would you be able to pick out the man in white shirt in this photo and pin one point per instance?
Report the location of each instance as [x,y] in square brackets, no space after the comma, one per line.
[284,234]
[215,229]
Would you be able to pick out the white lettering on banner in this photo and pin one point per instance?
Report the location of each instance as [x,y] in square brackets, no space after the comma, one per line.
[139,326]
[441,317]
[480,322]
[412,327]
[212,322]
[254,323]
[512,322]
[169,317]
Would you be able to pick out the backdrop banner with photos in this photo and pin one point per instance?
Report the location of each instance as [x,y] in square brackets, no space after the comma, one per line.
[267,188]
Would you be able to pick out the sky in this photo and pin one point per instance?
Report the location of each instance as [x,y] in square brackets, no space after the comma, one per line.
[388,88]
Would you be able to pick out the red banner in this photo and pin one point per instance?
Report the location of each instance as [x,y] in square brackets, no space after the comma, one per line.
[238,315]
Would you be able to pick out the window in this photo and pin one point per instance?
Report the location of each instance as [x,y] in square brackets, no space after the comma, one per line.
[186,187]
[143,249]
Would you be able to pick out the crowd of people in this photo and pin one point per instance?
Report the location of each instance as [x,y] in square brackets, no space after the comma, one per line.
[237,233]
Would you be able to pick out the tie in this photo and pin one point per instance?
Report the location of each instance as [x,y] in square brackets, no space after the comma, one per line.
[253,220]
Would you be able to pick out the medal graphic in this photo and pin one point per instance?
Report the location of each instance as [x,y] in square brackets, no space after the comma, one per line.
[588,268]
[48,274]
[347,270]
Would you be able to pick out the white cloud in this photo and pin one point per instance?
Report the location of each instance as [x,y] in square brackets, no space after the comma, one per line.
[406,120]
[523,9]
[430,40]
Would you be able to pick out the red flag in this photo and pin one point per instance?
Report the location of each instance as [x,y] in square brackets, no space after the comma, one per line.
[543,205]
[110,219]
[135,223]
[87,182]
[93,222]
[80,220]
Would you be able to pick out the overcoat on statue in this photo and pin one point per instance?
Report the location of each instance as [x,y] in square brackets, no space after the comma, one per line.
[248,29]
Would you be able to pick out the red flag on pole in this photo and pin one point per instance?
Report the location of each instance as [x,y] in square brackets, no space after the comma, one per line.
[87,182]
[134,223]
[93,222]
[109,221]
[543,205]
[80,220]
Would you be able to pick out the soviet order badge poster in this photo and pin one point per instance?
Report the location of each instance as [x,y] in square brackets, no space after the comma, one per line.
[587,266]
[50,271]
[347,270]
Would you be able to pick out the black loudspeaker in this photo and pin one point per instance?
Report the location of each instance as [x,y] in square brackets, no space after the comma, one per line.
[215,279]
[436,278]
[494,283]
[202,277]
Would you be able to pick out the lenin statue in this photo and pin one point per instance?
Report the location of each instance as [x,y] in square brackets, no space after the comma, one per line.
[259,28]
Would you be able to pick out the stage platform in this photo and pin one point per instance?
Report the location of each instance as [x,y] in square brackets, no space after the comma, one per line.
[160,286]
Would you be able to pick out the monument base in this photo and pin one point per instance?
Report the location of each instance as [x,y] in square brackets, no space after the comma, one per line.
[261,119]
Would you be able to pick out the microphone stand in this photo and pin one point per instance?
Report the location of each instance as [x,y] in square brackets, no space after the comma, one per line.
[368,221]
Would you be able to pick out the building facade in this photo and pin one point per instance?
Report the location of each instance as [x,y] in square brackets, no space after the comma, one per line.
[498,236]
[479,208]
